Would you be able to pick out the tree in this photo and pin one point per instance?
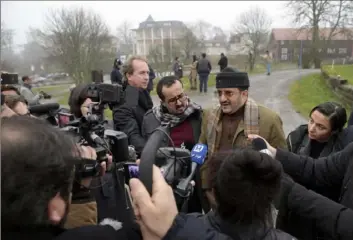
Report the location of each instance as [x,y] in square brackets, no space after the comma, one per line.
[311,15]
[254,25]
[189,42]
[77,39]
[9,60]
[124,32]
[203,32]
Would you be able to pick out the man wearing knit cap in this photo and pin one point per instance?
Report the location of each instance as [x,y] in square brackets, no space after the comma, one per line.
[227,125]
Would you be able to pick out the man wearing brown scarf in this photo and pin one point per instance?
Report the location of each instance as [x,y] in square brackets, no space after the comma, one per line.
[227,125]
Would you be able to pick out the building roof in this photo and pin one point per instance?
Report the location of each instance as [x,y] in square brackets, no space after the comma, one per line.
[279,34]
[150,22]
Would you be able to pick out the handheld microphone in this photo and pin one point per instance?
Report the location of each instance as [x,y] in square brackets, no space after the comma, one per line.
[260,145]
[41,109]
[198,155]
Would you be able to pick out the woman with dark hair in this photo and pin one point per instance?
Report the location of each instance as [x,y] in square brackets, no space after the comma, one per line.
[78,101]
[322,135]
[244,185]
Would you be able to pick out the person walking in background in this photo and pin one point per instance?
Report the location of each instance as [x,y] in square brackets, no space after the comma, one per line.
[115,75]
[268,61]
[152,76]
[178,68]
[203,69]
[223,62]
[193,73]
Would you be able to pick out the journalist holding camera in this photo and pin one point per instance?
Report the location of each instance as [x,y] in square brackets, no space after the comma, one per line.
[305,194]
[38,179]
[26,91]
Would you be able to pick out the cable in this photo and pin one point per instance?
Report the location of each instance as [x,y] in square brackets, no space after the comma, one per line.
[173,145]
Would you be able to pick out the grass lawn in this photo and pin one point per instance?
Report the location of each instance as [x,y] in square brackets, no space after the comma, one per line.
[53,89]
[345,71]
[310,91]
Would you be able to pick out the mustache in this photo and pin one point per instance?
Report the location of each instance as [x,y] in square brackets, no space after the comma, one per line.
[225,103]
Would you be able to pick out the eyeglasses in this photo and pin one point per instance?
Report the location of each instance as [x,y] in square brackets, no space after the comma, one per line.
[182,97]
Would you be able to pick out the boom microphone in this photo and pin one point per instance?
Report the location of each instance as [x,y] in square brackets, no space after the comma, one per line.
[148,156]
[260,145]
[198,155]
[41,109]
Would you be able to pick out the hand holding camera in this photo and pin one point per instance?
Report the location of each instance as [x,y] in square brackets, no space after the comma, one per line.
[44,95]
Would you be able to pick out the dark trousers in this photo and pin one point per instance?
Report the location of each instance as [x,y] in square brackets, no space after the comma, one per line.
[203,82]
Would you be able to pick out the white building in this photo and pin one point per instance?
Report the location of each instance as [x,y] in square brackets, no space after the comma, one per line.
[162,34]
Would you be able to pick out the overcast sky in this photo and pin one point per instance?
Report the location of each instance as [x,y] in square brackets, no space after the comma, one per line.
[19,16]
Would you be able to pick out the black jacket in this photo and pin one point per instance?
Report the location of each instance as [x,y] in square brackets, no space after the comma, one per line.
[251,232]
[116,76]
[150,123]
[96,232]
[223,62]
[129,116]
[184,227]
[322,175]
[151,77]
[197,201]
[298,142]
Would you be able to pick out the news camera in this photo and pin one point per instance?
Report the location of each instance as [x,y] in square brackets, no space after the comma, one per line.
[105,94]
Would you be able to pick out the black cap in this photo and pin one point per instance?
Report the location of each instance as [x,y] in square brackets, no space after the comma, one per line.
[232,78]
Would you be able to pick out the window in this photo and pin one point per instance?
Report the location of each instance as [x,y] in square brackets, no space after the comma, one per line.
[282,42]
[331,50]
[342,50]
[284,57]
[284,50]
[167,24]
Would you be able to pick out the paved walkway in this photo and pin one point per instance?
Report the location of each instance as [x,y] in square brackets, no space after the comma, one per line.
[271,91]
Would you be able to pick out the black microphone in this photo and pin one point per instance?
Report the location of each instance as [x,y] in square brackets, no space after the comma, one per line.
[148,155]
[260,145]
[41,109]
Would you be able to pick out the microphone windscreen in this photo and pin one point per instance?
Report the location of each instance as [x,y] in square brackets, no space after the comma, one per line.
[43,108]
[198,153]
[259,144]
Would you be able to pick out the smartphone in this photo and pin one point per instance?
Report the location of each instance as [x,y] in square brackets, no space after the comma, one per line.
[64,119]
[131,170]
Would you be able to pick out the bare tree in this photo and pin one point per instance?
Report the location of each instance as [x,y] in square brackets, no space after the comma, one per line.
[78,39]
[9,60]
[219,34]
[254,25]
[189,42]
[6,37]
[203,32]
[124,32]
[311,15]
